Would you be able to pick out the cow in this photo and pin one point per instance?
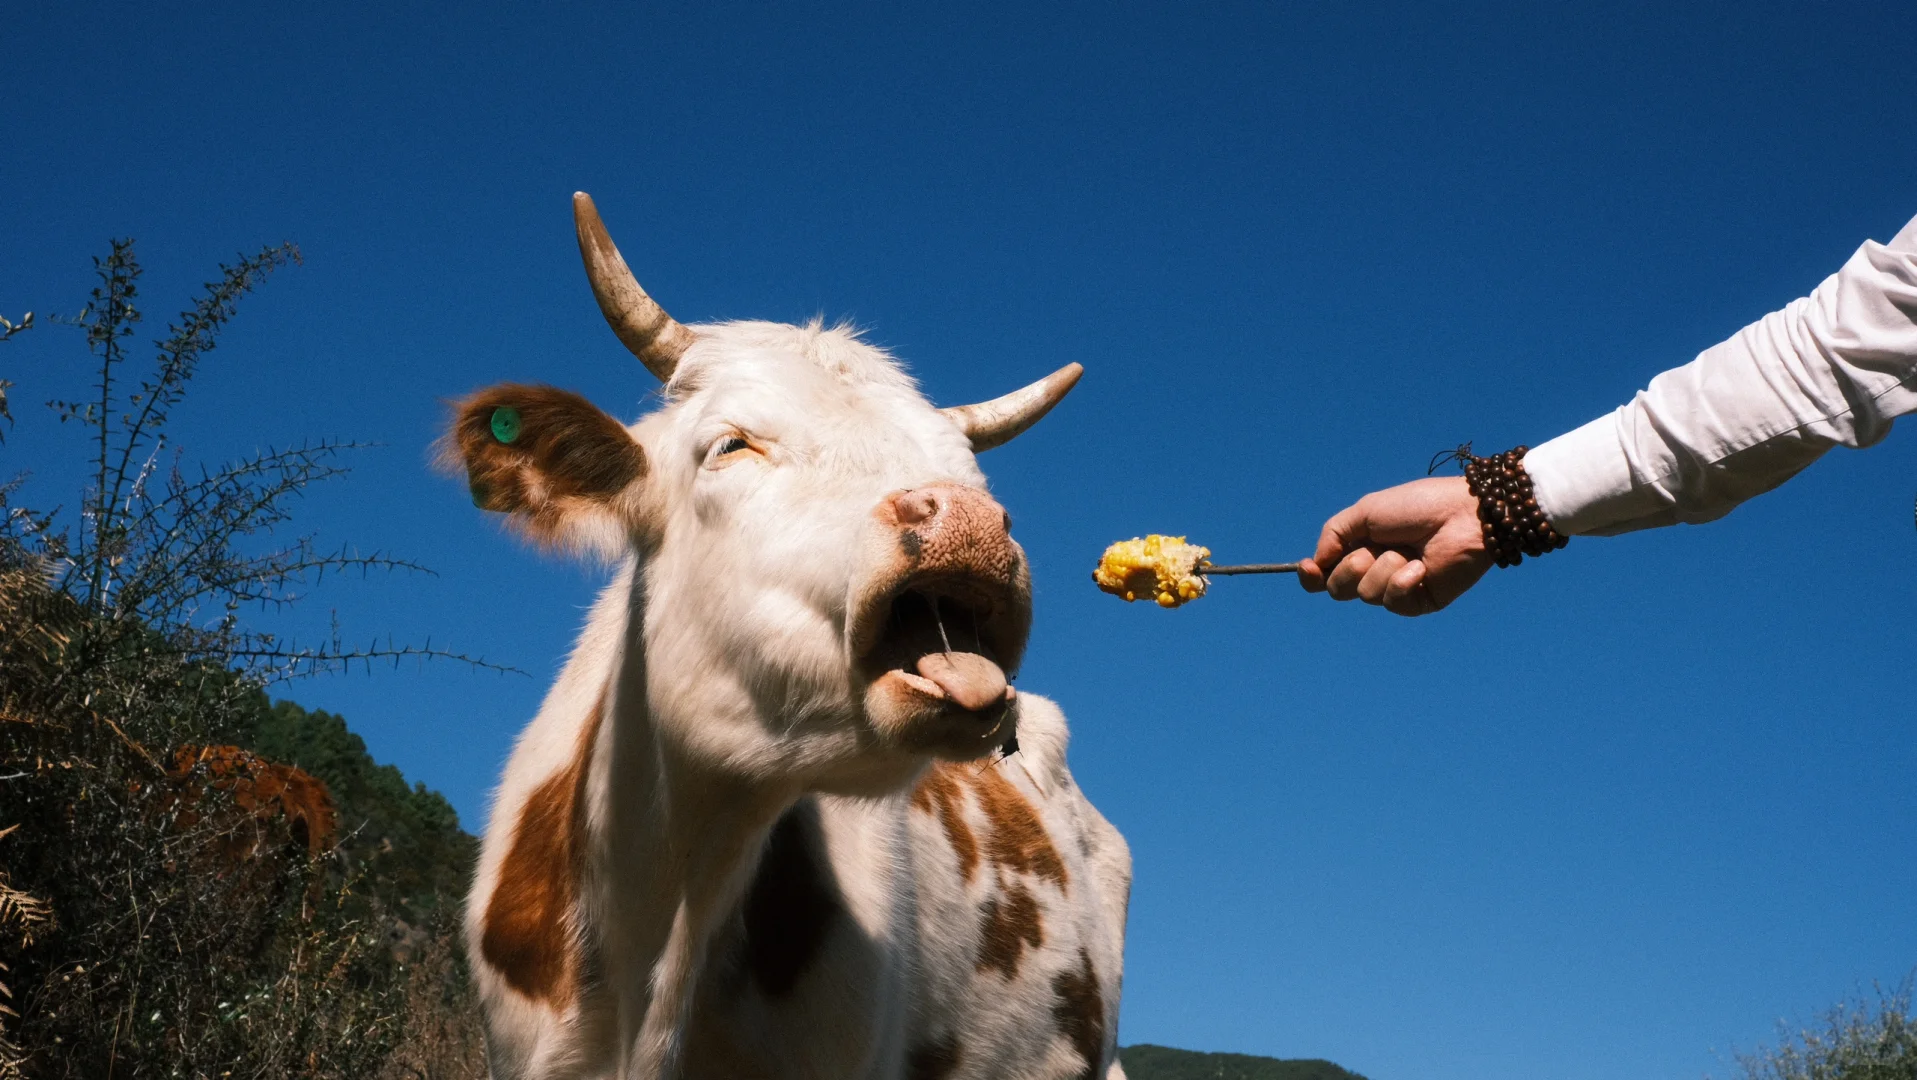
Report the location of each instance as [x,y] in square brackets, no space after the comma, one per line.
[768,821]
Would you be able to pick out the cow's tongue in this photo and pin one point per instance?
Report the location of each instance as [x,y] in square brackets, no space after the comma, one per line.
[971,681]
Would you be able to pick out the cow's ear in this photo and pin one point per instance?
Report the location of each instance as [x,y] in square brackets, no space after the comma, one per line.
[565,472]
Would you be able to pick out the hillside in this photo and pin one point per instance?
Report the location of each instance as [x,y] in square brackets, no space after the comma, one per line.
[1148,1062]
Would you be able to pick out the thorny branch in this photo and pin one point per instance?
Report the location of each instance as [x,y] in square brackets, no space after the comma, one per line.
[197,936]
[8,328]
[166,559]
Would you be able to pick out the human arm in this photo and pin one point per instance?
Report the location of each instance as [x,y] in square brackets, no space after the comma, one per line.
[1834,368]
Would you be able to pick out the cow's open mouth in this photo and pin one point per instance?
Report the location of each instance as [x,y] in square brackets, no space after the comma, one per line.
[944,637]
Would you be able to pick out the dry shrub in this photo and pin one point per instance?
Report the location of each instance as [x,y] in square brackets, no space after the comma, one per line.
[23,917]
[174,957]
[207,923]
[442,1038]
[171,906]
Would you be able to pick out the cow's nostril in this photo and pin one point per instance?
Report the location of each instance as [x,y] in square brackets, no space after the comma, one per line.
[914,507]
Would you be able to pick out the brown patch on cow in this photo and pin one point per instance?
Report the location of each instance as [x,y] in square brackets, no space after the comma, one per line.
[566,451]
[935,1060]
[1080,1012]
[1017,840]
[940,792]
[792,903]
[528,934]
[1008,925]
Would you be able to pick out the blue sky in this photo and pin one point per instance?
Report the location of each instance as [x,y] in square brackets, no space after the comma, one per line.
[1614,814]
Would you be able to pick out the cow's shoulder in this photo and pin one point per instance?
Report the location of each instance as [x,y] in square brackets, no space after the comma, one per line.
[1042,739]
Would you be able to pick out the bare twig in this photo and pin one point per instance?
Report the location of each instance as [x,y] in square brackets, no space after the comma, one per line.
[1249,568]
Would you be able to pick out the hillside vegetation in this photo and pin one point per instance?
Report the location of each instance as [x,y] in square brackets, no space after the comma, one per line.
[176,899]
[1148,1062]
[404,841]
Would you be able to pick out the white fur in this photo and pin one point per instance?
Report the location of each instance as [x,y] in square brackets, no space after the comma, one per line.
[721,645]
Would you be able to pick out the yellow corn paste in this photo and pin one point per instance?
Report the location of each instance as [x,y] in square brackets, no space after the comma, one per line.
[1164,568]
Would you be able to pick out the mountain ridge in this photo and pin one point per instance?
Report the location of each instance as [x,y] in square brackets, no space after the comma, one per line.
[1146,1061]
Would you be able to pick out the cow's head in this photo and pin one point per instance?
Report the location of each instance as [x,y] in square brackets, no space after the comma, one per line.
[824,579]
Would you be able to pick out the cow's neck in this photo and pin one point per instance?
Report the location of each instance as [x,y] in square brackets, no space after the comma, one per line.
[679,842]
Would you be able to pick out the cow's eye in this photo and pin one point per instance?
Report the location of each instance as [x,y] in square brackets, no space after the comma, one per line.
[726,450]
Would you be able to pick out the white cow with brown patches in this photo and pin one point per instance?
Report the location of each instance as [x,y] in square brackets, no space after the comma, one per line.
[762,826]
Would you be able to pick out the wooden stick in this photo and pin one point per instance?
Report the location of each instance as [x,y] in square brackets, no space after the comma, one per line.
[1250,568]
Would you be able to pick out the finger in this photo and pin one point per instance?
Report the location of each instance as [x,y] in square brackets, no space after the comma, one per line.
[1371,587]
[1343,582]
[1312,578]
[1406,594]
[1347,529]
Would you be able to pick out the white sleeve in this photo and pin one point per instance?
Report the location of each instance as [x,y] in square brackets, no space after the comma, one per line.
[1834,367]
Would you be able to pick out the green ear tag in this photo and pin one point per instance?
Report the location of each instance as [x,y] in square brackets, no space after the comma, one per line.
[505,423]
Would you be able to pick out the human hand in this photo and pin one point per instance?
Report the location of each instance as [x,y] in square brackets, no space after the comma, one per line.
[1413,548]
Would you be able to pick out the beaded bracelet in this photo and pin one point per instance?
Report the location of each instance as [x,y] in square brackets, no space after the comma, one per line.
[1507,509]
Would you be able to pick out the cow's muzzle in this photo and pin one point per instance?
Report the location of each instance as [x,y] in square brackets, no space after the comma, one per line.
[936,632]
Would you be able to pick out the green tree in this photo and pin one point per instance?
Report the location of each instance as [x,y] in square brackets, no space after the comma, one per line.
[406,839]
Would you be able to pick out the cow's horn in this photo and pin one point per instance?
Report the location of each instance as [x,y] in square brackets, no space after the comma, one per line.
[1002,419]
[656,338]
